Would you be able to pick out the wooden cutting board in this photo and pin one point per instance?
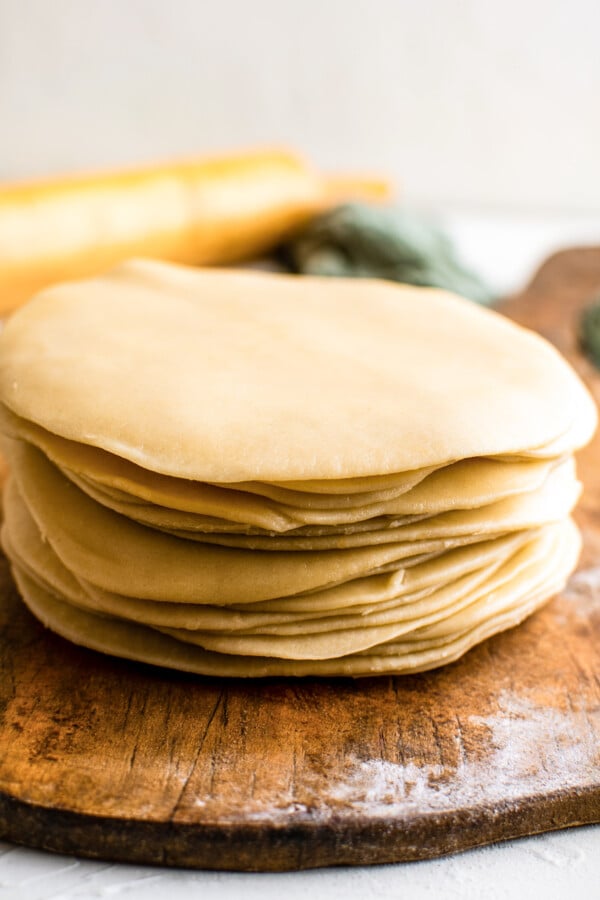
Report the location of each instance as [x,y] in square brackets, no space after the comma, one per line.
[121,761]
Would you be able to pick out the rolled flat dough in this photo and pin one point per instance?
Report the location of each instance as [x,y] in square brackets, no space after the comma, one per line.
[242,474]
[236,376]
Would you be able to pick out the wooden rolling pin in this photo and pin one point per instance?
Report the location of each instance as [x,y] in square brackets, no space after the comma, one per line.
[201,211]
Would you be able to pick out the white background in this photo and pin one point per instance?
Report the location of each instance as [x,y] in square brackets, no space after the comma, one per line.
[482,103]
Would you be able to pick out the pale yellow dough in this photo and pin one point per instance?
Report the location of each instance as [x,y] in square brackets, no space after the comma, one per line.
[355,600]
[119,555]
[240,376]
[429,650]
[243,474]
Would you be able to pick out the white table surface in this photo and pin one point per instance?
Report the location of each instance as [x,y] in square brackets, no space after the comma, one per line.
[550,867]
[564,864]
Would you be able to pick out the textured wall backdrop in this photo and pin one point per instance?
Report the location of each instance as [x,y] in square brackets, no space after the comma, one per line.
[477,102]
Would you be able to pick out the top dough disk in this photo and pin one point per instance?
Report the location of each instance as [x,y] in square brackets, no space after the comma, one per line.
[224,376]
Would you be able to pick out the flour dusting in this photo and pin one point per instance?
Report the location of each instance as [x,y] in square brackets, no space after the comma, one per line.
[532,749]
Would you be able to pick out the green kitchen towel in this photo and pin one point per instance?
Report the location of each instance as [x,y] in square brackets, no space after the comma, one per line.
[589,331]
[361,241]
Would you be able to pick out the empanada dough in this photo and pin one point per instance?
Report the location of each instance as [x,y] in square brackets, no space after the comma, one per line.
[244,474]
[220,376]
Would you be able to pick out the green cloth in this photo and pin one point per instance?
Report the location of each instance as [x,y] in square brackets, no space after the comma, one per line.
[589,331]
[361,241]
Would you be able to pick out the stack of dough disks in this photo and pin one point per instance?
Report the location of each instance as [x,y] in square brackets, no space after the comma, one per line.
[245,474]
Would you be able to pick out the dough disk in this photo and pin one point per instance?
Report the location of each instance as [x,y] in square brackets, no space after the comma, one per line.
[242,474]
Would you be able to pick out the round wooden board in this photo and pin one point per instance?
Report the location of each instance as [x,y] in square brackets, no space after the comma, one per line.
[108,759]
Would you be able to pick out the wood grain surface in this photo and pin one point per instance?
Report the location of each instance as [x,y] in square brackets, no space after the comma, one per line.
[110,759]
